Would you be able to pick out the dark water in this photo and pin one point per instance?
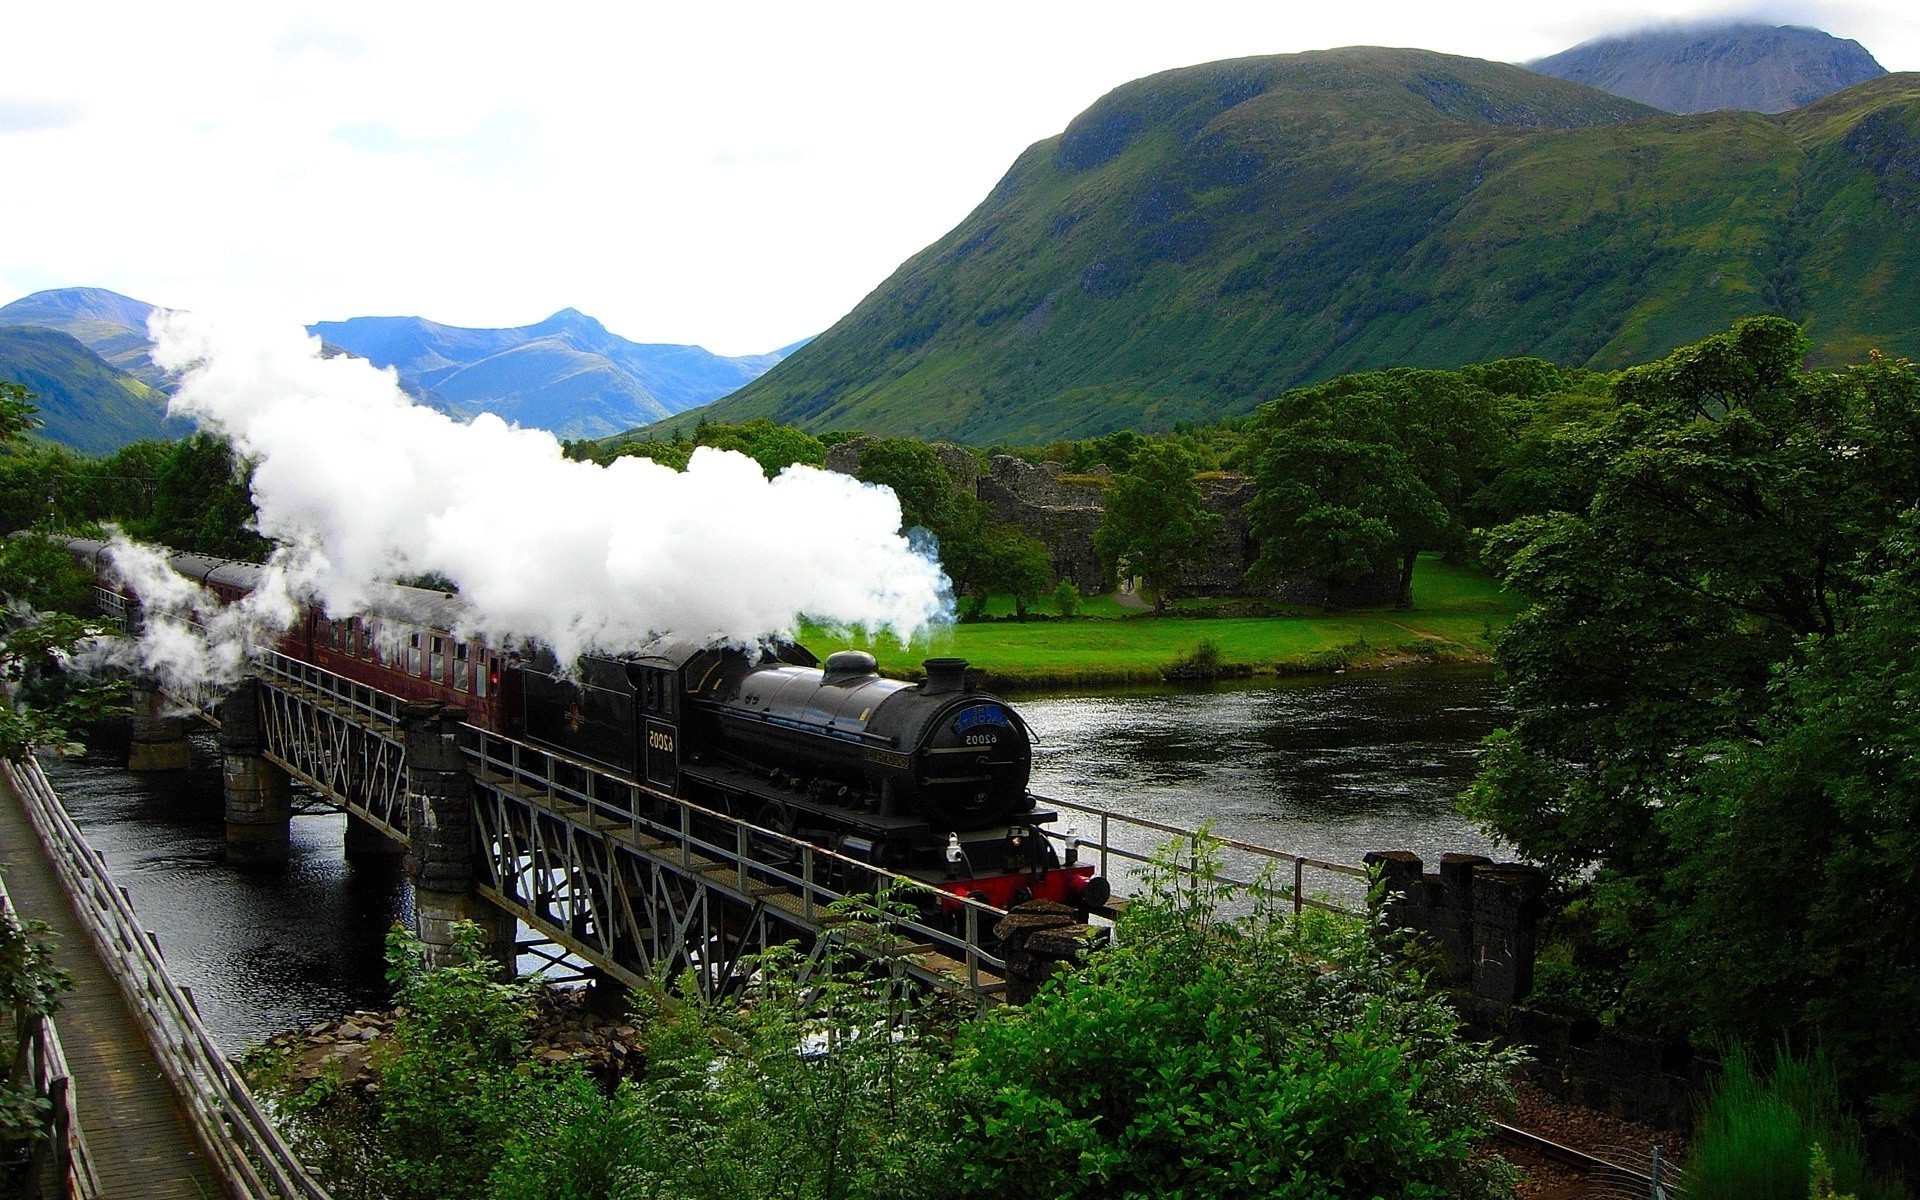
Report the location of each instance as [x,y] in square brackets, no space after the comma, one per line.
[263,950]
[1327,767]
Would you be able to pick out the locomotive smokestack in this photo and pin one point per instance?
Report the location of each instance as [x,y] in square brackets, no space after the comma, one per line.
[945,675]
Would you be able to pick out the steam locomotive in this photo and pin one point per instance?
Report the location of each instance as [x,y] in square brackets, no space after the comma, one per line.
[925,779]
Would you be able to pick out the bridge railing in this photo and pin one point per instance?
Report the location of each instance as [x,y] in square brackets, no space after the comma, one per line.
[1126,847]
[43,1061]
[678,831]
[240,1140]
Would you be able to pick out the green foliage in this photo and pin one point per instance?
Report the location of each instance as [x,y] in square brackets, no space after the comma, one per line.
[18,414]
[1713,682]
[913,471]
[1154,524]
[203,502]
[455,1088]
[1212,1055]
[774,447]
[1801,846]
[1358,476]
[1067,600]
[1778,1135]
[31,985]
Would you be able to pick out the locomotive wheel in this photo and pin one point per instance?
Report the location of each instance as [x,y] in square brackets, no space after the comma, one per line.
[778,816]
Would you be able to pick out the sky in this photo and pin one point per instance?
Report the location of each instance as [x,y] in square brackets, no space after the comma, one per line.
[731,175]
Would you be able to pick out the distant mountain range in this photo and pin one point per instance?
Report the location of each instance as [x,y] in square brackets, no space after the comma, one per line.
[1200,240]
[85,353]
[85,403]
[566,374]
[1759,68]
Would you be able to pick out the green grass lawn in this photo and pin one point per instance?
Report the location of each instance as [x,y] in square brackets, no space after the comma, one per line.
[1456,611]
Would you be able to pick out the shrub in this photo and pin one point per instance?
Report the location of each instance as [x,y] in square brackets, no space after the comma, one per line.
[1779,1135]
[1211,1055]
[1066,599]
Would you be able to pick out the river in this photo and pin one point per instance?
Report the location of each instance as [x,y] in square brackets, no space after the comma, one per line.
[1326,766]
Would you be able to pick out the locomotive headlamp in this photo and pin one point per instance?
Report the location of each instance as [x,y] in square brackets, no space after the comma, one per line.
[1070,853]
[954,853]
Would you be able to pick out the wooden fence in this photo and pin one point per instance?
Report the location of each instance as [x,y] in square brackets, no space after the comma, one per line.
[238,1137]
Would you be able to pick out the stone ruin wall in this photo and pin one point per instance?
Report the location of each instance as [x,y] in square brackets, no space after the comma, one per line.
[1062,515]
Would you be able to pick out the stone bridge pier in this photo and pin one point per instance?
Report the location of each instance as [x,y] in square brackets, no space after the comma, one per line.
[441,839]
[258,801]
[159,734]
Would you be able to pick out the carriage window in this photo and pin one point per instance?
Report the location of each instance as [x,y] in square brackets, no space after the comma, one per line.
[414,663]
[366,639]
[462,669]
[333,635]
[484,678]
[437,661]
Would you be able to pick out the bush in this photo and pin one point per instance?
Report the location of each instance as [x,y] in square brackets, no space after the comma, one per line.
[1210,1055]
[1066,599]
[1780,1135]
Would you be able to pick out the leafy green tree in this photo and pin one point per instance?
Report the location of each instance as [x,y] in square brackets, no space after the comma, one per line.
[1732,497]
[40,703]
[1712,737]
[1796,852]
[913,471]
[17,412]
[202,501]
[1207,1054]
[774,447]
[987,558]
[1155,523]
[1358,476]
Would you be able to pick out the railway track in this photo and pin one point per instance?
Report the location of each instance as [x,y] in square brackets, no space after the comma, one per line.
[1629,1174]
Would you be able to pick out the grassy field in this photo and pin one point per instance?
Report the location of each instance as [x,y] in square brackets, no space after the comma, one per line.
[1455,615]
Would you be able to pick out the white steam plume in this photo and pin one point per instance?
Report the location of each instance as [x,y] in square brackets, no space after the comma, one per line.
[357,486]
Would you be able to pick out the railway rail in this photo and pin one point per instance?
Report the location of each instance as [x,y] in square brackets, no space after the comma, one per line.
[1630,1175]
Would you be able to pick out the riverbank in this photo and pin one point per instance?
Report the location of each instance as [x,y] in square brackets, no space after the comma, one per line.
[1456,615]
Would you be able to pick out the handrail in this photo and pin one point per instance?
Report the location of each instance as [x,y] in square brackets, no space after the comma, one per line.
[1298,864]
[237,1135]
[46,1060]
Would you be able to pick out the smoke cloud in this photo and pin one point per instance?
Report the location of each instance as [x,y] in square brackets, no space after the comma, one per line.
[358,486]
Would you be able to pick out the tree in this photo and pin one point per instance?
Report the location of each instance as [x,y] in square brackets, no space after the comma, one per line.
[17,412]
[913,471]
[1732,496]
[203,501]
[1358,476]
[1712,741]
[985,558]
[1155,524]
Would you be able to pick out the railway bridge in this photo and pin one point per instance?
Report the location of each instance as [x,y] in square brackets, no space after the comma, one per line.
[637,883]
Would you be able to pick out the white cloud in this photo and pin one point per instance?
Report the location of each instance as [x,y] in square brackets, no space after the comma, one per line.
[736,176]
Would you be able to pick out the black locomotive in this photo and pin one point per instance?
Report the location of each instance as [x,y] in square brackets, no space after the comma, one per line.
[927,779]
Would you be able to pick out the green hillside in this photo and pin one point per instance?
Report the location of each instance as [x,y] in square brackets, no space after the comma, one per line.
[84,403]
[1198,241]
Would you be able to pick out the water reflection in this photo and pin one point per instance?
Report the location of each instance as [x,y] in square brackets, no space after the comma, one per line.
[262,950]
[1327,767]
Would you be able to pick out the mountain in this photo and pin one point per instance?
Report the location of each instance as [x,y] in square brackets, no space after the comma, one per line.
[1200,240]
[111,325]
[567,374]
[1760,68]
[85,402]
